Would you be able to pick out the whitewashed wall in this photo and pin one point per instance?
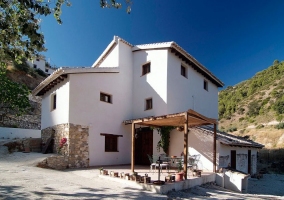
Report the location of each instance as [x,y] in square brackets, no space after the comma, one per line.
[188,93]
[112,60]
[199,143]
[241,157]
[152,85]
[12,133]
[87,109]
[60,115]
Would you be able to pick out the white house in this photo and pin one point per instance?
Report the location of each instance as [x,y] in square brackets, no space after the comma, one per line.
[40,63]
[89,105]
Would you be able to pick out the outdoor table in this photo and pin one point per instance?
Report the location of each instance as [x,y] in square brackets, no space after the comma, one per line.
[173,160]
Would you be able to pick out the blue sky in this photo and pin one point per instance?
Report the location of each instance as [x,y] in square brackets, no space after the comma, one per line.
[234,39]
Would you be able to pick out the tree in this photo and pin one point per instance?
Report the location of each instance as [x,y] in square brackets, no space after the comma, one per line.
[114,4]
[20,27]
[21,38]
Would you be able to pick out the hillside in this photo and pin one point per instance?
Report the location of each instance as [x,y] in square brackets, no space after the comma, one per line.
[254,107]
[31,118]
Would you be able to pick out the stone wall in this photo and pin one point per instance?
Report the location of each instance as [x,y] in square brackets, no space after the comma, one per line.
[24,121]
[76,149]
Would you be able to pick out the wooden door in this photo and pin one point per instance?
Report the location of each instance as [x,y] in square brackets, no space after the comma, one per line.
[143,145]
[233,159]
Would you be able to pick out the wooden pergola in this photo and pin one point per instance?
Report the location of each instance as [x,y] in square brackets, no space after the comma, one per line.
[186,119]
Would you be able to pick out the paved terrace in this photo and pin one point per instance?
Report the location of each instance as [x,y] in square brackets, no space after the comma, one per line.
[162,189]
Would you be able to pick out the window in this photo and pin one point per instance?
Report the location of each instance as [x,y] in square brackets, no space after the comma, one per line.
[53,101]
[35,65]
[105,97]
[146,68]
[183,71]
[111,142]
[148,104]
[37,59]
[46,70]
[205,85]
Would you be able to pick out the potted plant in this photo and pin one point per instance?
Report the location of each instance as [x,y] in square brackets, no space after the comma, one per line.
[179,174]
[101,170]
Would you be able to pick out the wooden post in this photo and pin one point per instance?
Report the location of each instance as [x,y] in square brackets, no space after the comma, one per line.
[185,146]
[132,147]
[214,149]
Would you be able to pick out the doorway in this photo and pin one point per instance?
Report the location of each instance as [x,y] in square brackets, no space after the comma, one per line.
[249,161]
[233,159]
[143,145]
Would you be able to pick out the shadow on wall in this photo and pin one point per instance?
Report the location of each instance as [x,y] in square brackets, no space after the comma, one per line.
[203,144]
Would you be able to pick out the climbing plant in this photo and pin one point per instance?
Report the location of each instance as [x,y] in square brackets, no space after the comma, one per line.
[164,142]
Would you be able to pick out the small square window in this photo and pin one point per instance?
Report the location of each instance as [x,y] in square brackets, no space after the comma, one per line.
[146,68]
[148,104]
[183,71]
[35,66]
[105,97]
[111,142]
[46,70]
[53,101]
[37,59]
[205,85]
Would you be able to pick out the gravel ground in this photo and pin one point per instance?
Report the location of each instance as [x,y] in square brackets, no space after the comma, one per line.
[20,179]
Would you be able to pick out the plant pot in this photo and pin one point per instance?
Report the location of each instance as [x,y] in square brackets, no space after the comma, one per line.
[179,176]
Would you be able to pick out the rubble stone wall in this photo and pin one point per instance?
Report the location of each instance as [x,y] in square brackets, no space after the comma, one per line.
[76,149]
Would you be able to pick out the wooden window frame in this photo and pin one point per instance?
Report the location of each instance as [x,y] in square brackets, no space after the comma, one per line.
[111,142]
[104,99]
[183,71]
[205,85]
[148,104]
[146,68]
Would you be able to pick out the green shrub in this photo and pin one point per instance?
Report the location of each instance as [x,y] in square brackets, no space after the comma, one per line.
[260,126]
[33,73]
[23,66]
[241,111]
[253,109]
[279,106]
[40,72]
[232,129]
[251,120]
[241,119]
[279,126]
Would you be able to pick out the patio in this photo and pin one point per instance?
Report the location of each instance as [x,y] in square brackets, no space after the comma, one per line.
[162,189]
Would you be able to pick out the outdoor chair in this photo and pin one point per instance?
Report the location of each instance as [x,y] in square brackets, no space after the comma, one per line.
[192,162]
[165,162]
[153,161]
